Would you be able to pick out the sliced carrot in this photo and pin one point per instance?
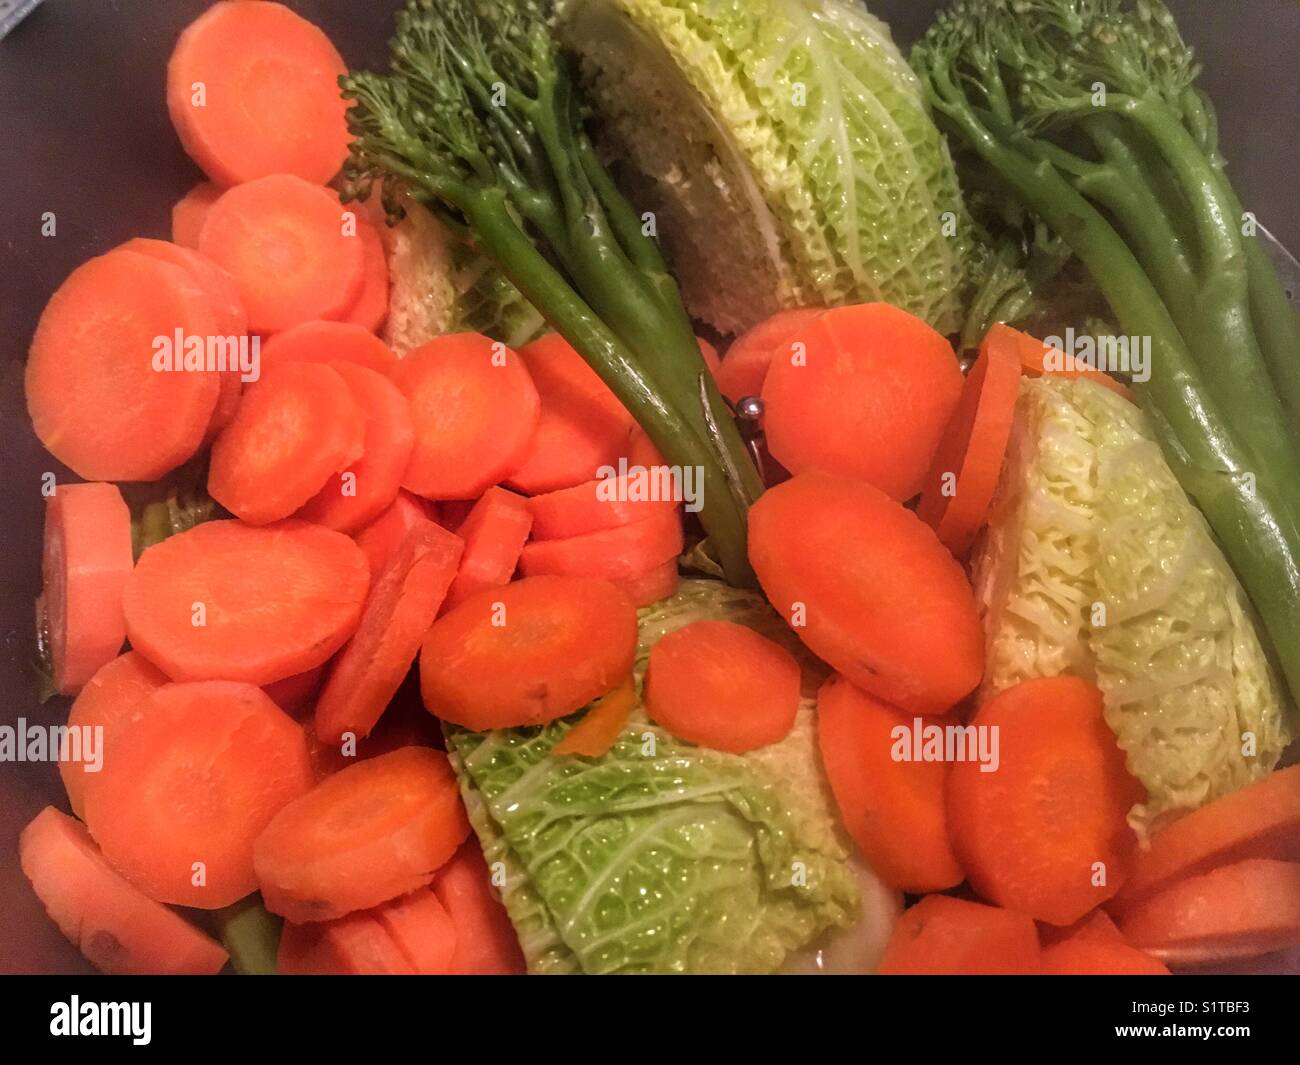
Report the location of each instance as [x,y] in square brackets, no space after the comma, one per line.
[1045,833]
[453,512]
[382,537]
[402,605]
[324,341]
[1234,911]
[641,451]
[527,653]
[475,410]
[229,601]
[95,399]
[494,533]
[1032,355]
[623,553]
[370,311]
[1085,956]
[1261,820]
[356,944]
[376,830]
[605,503]
[869,588]
[602,725]
[867,396]
[281,239]
[86,563]
[293,693]
[295,429]
[744,367]
[405,723]
[1094,927]
[722,685]
[113,695]
[190,782]
[712,361]
[891,803]
[652,586]
[252,90]
[191,211]
[486,944]
[119,929]
[944,936]
[964,475]
[356,496]
[422,930]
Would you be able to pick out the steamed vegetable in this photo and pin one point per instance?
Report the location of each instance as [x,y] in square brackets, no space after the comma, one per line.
[946,936]
[1098,565]
[786,150]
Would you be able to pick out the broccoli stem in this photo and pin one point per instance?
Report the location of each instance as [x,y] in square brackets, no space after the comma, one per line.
[250,935]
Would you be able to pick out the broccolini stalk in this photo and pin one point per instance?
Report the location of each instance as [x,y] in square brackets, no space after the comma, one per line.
[478,118]
[250,935]
[1020,81]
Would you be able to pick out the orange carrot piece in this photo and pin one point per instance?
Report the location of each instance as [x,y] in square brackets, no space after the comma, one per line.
[119,929]
[601,726]
[452,512]
[382,537]
[402,605]
[87,560]
[722,685]
[1094,927]
[189,783]
[712,361]
[291,694]
[1261,820]
[964,475]
[252,90]
[1032,354]
[113,695]
[869,588]
[374,831]
[371,308]
[944,936]
[604,503]
[1086,956]
[618,554]
[527,653]
[273,601]
[356,944]
[892,807]
[494,533]
[475,409]
[295,429]
[1234,911]
[324,341]
[486,944]
[353,498]
[744,367]
[641,450]
[191,211]
[95,399]
[867,396]
[281,239]
[422,930]
[1045,833]
[652,586]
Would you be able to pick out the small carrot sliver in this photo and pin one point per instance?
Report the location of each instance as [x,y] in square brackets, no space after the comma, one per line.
[291,694]
[945,936]
[382,537]
[475,409]
[527,653]
[325,341]
[1093,957]
[353,945]
[601,726]
[191,211]
[655,584]
[370,311]
[356,496]
[1032,355]
[486,944]
[621,553]
[252,90]
[603,503]
[96,401]
[274,600]
[281,239]
[422,930]
[744,366]
[189,783]
[494,532]
[963,477]
[722,685]
[87,560]
[295,429]
[374,831]
[893,808]
[402,605]
[118,928]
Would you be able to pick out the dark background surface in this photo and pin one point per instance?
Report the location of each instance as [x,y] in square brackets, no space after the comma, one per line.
[84,133]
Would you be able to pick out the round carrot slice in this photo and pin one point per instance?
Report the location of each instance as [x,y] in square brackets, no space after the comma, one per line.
[230,601]
[95,399]
[371,308]
[367,834]
[422,930]
[964,474]
[605,503]
[1032,355]
[620,554]
[118,928]
[323,341]
[282,241]
[652,586]
[191,211]
[85,566]
[475,410]
[190,782]
[486,944]
[525,654]
[946,936]
[722,685]
[293,693]
[295,428]
[744,367]
[252,90]
[495,532]
[383,536]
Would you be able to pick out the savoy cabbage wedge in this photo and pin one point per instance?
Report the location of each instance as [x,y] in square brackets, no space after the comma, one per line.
[785,149]
[659,856]
[1096,564]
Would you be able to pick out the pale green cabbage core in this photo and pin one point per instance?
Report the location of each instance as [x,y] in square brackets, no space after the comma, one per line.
[662,857]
